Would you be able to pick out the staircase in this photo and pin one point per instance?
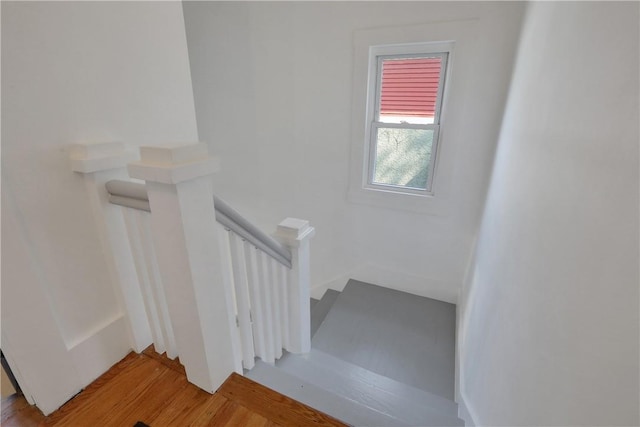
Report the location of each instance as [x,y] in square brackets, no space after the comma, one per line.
[378,357]
[200,281]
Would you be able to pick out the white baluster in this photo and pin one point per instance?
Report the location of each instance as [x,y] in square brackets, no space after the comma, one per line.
[266,297]
[155,281]
[137,252]
[276,303]
[257,311]
[284,305]
[242,299]
[228,281]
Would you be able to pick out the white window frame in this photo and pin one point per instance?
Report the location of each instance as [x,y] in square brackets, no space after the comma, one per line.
[460,39]
[376,55]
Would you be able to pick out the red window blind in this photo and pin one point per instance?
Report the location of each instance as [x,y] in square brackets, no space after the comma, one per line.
[410,87]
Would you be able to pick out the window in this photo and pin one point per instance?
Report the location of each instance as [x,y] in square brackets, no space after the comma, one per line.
[403,116]
[446,123]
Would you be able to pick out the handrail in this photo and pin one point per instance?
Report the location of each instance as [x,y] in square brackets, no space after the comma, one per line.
[134,195]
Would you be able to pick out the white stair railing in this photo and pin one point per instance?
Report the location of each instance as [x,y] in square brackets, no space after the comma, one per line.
[216,293]
[258,271]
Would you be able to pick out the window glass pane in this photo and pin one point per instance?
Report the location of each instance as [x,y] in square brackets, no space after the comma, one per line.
[409,89]
[402,157]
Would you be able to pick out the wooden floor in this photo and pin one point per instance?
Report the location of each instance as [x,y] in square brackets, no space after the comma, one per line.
[150,389]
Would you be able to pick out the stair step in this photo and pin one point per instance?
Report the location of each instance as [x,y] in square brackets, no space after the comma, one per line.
[313,303]
[321,308]
[401,336]
[343,409]
[384,395]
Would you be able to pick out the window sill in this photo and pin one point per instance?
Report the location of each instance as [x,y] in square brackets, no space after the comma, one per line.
[388,199]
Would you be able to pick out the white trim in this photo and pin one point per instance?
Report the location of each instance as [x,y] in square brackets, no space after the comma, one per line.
[173,174]
[95,330]
[465,413]
[88,157]
[441,290]
[411,48]
[173,164]
[382,198]
[103,347]
[101,163]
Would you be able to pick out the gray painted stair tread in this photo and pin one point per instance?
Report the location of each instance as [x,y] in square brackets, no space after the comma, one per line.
[404,337]
[345,410]
[313,303]
[320,310]
[408,404]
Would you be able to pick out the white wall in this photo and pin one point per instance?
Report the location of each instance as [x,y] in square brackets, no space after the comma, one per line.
[549,334]
[74,72]
[273,84]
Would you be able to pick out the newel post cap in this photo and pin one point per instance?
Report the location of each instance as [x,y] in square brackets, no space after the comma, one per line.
[89,157]
[172,164]
[292,231]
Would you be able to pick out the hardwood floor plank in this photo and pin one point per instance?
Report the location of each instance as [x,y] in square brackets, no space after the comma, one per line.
[226,413]
[11,405]
[104,401]
[255,420]
[27,418]
[214,404]
[234,414]
[183,410]
[101,386]
[16,411]
[272,405]
[152,399]
[143,388]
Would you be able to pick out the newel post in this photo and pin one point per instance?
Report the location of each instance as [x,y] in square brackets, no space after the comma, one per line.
[296,235]
[179,182]
[98,163]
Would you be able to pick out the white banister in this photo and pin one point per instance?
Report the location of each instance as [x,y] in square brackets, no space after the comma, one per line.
[99,163]
[216,290]
[186,240]
[296,235]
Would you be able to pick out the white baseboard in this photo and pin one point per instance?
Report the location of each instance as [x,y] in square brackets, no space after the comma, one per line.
[102,349]
[465,413]
[421,286]
[336,284]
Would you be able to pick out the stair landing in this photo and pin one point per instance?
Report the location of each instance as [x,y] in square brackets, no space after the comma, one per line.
[379,357]
[408,338]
